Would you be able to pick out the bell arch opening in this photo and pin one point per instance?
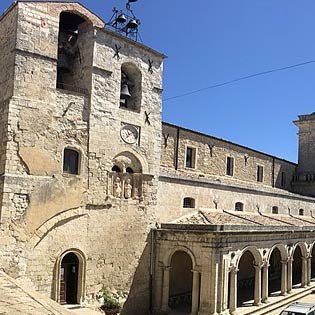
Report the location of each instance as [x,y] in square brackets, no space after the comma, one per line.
[246,280]
[130,87]
[71,39]
[181,282]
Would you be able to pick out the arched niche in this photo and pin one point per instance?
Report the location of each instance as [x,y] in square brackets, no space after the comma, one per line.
[130,87]
[126,176]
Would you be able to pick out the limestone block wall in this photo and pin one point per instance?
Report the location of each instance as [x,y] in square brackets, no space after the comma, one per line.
[46,212]
[211,156]
[211,194]
[8,22]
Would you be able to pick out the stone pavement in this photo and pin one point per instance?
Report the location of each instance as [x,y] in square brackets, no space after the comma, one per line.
[84,311]
[17,300]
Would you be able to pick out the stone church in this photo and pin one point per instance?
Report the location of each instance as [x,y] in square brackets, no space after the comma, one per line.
[96,191]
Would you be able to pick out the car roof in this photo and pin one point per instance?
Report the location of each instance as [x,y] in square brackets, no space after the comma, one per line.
[300,307]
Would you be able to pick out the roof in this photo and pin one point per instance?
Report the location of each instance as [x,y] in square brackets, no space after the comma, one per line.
[238,218]
[228,142]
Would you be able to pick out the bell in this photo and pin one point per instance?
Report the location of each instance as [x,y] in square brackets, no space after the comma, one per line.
[133,24]
[121,18]
[124,93]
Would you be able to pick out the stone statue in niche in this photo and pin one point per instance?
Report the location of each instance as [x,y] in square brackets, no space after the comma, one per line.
[128,189]
[117,188]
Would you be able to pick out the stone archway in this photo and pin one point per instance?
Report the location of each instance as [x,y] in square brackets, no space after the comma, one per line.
[297,267]
[274,273]
[246,279]
[313,262]
[70,277]
[181,282]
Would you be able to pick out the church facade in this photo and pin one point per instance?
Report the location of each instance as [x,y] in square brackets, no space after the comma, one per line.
[96,191]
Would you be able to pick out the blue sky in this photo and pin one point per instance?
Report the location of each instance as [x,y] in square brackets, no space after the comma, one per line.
[212,41]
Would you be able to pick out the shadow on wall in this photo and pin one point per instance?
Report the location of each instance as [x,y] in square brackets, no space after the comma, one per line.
[138,301]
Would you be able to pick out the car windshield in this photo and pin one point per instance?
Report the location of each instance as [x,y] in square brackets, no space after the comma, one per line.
[291,313]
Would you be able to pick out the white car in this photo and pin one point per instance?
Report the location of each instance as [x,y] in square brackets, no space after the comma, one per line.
[298,308]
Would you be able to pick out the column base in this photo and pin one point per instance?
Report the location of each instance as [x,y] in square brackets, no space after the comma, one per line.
[284,294]
[265,301]
[257,303]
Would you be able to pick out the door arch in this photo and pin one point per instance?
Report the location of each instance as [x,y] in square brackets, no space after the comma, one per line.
[181,282]
[246,279]
[297,266]
[70,277]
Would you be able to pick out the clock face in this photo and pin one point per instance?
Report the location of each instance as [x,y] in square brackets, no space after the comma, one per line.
[129,134]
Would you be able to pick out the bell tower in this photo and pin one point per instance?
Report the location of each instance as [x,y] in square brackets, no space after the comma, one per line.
[304,180]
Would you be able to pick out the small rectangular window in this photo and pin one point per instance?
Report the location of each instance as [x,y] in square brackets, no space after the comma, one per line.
[70,161]
[260,173]
[190,157]
[229,166]
[282,179]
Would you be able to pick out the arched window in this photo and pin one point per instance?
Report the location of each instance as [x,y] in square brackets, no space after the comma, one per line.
[275,210]
[116,169]
[189,202]
[129,170]
[130,87]
[301,211]
[71,161]
[239,206]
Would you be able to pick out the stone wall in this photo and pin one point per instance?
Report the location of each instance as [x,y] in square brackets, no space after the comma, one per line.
[45,211]
[211,155]
[8,23]
[215,195]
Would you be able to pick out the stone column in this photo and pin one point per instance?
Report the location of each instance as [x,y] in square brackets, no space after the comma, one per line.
[290,261]
[165,289]
[265,283]
[233,289]
[304,272]
[195,292]
[309,270]
[257,293]
[284,277]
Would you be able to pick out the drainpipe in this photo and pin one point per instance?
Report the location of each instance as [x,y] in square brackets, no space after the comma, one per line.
[152,238]
[176,149]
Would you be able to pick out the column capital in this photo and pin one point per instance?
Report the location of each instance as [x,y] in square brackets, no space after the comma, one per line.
[304,258]
[258,267]
[284,261]
[195,271]
[233,269]
[166,268]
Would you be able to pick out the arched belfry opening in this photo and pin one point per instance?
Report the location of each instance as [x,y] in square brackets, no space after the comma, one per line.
[130,87]
[181,281]
[71,42]
[297,267]
[246,279]
[69,278]
[274,273]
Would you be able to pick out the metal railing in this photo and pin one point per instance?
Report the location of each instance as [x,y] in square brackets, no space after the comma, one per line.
[72,88]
